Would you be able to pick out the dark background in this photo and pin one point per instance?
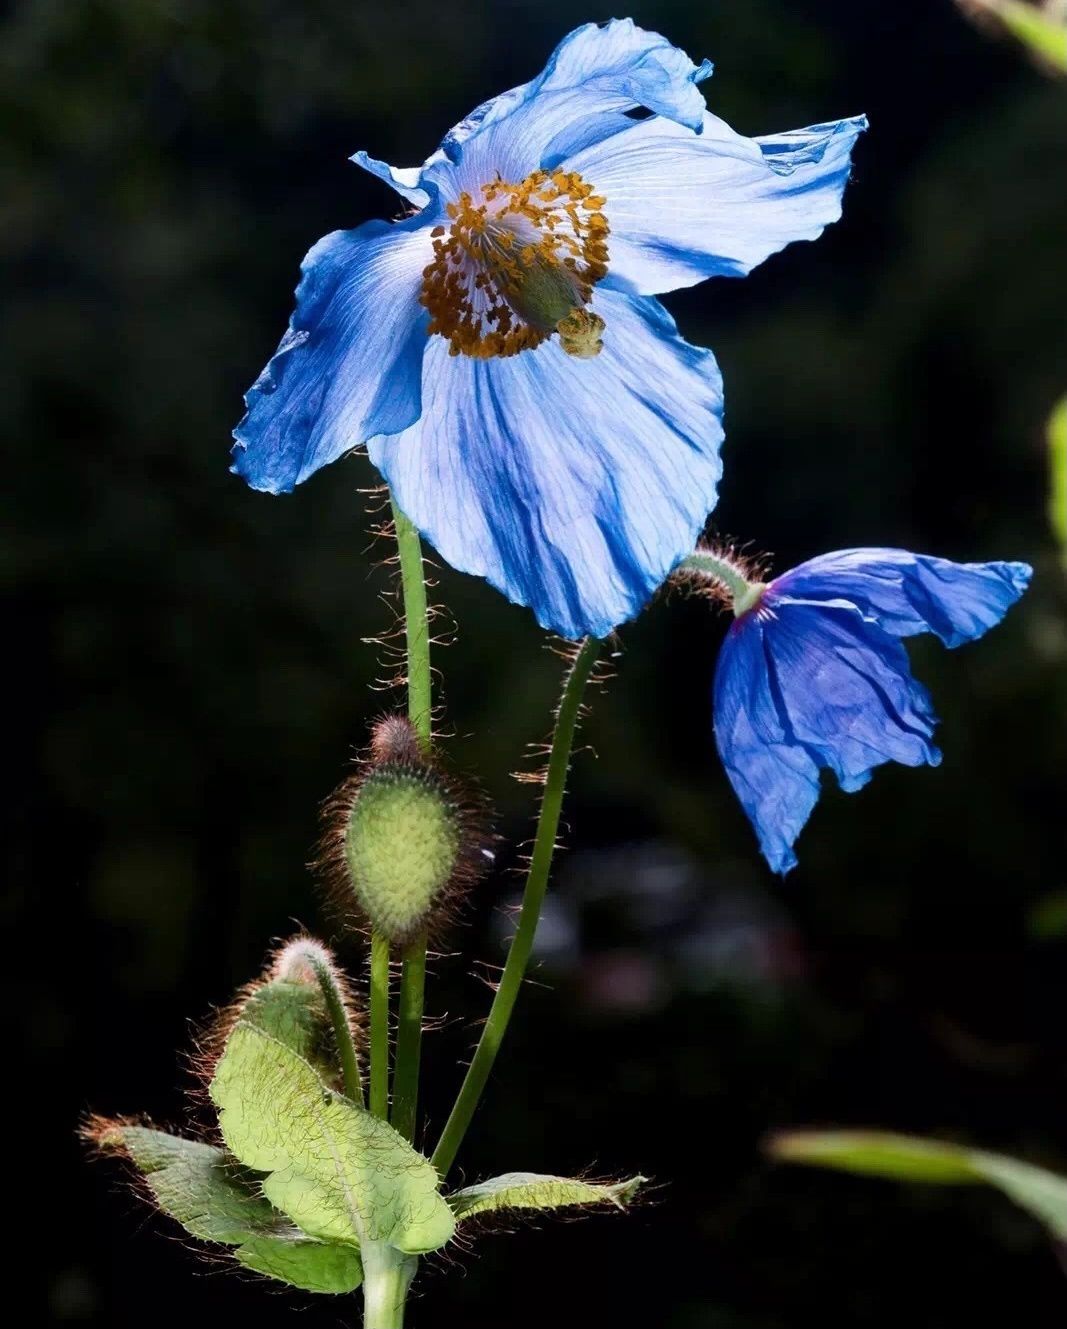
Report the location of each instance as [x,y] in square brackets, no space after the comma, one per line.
[192,669]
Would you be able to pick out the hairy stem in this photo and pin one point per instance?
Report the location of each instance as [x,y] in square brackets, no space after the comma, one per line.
[533,897]
[342,1031]
[387,1275]
[379,1025]
[409,1038]
[719,569]
[416,626]
[420,703]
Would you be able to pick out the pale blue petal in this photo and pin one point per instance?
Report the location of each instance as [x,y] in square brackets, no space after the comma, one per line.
[595,75]
[404,179]
[846,690]
[911,593]
[573,486]
[350,364]
[595,71]
[775,779]
[684,207]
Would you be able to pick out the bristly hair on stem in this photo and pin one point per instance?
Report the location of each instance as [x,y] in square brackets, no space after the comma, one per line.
[749,566]
[601,673]
[391,642]
[511,979]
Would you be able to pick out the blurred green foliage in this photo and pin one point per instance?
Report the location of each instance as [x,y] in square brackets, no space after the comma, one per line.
[1040,25]
[1057,446]
[930,1162]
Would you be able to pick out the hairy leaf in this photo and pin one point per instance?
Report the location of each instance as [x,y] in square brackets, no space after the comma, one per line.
[217,1200]
[296,1015]
[529,1190]
[874,1153]
[338,1172]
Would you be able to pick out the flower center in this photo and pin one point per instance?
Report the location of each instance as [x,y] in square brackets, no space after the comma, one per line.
[518,263]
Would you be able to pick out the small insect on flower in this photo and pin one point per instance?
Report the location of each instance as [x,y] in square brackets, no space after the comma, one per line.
[812,674]
[500,350]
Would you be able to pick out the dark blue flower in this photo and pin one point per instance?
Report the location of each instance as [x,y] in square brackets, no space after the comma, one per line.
[499,350]
[812,675]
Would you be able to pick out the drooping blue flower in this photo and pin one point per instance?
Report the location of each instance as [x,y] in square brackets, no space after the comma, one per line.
[812,675]
[499,350]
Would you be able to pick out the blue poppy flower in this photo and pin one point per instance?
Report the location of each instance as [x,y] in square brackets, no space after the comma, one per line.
[812,675]
[499,349]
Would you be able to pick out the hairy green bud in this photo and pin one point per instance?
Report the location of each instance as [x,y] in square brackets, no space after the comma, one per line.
[303,1000]
[401,846]
[402,841]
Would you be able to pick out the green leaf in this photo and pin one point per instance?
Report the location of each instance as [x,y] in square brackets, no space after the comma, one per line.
[296,1015]
[217,1200]
[1057,443]
[1044,34]
[529,1190]
[904,1158]
[314,1266]
[338,1172]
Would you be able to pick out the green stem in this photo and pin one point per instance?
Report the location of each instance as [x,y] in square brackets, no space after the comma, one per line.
[743,592]
[387,1275]
[409,1038]
[416,626]
[533,897]
[379,1025]
[342,1031]
[420,703]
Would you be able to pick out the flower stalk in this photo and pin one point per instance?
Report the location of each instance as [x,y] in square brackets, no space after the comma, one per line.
[533,897]
[727,573]
[379,1025]
[342,1030]
[420,706]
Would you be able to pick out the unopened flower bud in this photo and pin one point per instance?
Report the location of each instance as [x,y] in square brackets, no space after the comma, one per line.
[300,999]
[401,839]
[301,960]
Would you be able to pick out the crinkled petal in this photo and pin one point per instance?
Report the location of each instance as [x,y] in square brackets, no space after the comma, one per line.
[573,486]
[912,593]
[683,207]
[596,71]
[593,76]
[846,690]
[406,180]
[350,364]
[776,779]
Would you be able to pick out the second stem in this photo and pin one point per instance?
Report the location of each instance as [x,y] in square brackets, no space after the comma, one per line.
[420,706]
[533,897]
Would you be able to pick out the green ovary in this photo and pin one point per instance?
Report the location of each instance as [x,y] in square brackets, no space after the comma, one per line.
[401,846]
[546,293]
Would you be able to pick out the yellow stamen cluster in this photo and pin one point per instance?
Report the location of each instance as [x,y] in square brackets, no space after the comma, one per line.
[517,264]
